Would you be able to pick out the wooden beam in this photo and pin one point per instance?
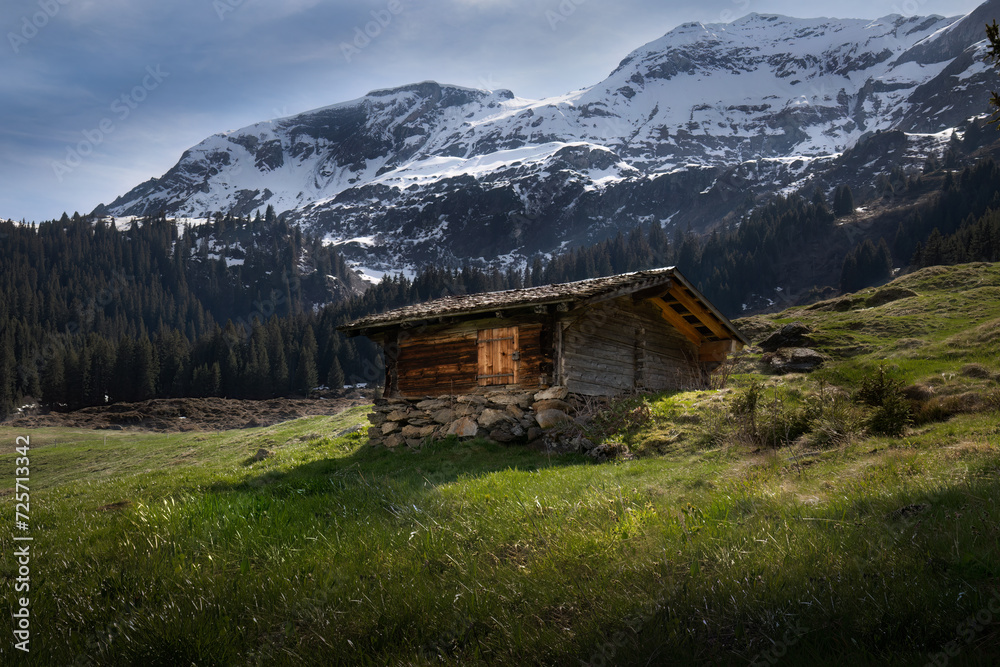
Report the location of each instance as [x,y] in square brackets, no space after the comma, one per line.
[560,356]
[716,350]
[699,311]
[651,292]
[678,322]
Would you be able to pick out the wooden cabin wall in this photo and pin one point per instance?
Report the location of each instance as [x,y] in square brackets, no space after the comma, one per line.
[443,359]
[616,346]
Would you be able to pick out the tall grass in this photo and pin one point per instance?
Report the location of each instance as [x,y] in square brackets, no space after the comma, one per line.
[333,553]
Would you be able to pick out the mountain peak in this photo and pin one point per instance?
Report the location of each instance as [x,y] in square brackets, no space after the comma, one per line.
[430,171]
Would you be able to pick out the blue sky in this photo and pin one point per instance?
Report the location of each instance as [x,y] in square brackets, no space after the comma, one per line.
[134,83]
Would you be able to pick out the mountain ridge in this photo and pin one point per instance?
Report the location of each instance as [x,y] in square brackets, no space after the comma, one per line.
[415,170]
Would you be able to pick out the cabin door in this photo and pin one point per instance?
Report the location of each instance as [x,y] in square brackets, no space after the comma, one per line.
[497,356]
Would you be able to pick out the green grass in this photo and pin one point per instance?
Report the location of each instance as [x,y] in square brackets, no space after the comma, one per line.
[177,549]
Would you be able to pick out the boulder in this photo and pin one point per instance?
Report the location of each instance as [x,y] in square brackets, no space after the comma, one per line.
[534,434]
[515,412]
[465,410]
[491,417]
[464,427]
[796,360]
[414,443]
[503,398]
[417,431]
[389,427]
[550,418]
[393,441]
[790,335]
[399,415]
[431,405]
[376,418]
[443,416]
[552,404]
[552,393]
[472,399]
[375,432]
[610,451]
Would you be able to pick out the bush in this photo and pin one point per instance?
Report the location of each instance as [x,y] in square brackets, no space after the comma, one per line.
[833,418]
[622,417]
[765,423]
[891,412]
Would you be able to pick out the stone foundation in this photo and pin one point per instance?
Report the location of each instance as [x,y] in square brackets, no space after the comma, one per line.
[502,414]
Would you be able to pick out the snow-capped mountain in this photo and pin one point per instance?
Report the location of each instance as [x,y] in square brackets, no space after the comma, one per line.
[432,173]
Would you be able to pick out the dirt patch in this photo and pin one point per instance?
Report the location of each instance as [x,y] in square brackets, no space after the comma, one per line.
[191,414]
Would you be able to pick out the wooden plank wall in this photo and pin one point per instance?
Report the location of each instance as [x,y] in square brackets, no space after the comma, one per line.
[617,346]
[444,359]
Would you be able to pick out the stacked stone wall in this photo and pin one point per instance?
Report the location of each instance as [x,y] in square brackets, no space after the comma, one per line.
[504,415]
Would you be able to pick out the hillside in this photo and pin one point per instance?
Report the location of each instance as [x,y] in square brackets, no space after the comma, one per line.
[805,539]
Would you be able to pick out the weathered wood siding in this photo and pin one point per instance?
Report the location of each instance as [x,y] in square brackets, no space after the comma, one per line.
[498,353]
[445,359]
[617,346]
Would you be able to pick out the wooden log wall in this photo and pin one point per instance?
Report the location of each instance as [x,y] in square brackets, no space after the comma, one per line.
[444,359]
[617,346]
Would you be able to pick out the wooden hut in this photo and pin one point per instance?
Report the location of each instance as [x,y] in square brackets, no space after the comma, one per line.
[646,331]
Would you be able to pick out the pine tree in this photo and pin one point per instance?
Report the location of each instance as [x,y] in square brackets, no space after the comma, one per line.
[305,369]
[54,378]
[7,373]
[993,55]
[843,201]
[335,379]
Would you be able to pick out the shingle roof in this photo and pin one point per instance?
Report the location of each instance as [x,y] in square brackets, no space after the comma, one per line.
[593,289]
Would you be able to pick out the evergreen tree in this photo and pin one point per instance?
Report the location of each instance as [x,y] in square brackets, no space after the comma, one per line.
[843,201]
[335,379]
[993,55]
[54,378]
[305,369]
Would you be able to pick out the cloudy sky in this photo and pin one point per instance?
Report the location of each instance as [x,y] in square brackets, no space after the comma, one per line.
[133,83]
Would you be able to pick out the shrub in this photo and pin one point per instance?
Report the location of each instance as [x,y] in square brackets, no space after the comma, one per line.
[839,422]
[891,412]
[764,423]
[993,400]
[744,411]
[622,416]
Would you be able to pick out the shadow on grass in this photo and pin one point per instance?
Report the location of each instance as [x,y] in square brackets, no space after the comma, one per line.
[435,464]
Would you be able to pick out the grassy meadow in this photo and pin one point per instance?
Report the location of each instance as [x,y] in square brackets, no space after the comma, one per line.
[786,534]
